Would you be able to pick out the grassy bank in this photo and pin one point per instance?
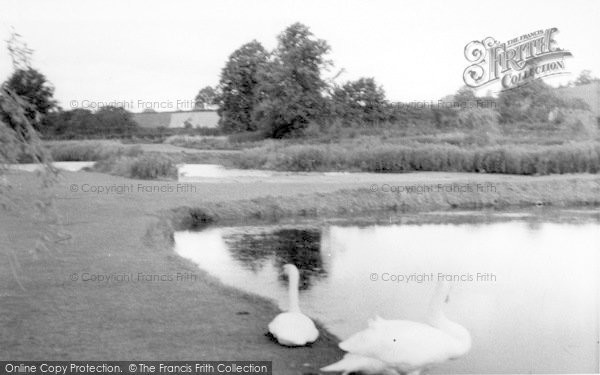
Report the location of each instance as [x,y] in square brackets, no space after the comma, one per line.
[561,192]
[203,319]
[580,157]
[58,318]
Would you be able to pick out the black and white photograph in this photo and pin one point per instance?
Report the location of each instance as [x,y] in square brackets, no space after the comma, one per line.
[294,187]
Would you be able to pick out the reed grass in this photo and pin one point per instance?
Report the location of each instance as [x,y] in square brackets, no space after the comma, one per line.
[91,150]
[576,157]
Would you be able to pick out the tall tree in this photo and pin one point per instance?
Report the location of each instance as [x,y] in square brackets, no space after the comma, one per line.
[290,90]
[465,95]
[533,102]
[206,97]
[584,78]
[239,79]
[32,86]
[361,100]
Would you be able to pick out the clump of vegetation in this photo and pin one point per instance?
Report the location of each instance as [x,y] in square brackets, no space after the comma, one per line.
[201,142]
[533,102]
[360,101]
[482,122]
[146,166]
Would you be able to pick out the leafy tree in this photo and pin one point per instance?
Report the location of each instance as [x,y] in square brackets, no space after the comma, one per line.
[465,95]
[33,86]
[239,79]
[533,102]
[108,121]
[116,120]
[290,87]
[361,100]
[206,96]
[74,123]
[584,78]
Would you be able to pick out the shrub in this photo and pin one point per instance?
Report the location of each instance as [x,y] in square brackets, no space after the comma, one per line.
[145,166]
[483,123]
[200,142]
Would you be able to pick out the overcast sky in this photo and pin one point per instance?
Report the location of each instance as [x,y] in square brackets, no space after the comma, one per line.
[165,51]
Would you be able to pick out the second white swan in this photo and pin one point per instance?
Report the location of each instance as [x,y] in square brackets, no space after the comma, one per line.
[292,328]
[403,346]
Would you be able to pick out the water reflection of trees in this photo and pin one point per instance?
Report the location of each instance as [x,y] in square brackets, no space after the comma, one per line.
[300,247]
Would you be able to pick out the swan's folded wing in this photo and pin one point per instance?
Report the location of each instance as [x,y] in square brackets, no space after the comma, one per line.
[356,363]
[405,344]
[293,329]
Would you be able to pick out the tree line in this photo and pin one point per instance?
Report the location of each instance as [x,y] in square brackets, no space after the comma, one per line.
[279,93]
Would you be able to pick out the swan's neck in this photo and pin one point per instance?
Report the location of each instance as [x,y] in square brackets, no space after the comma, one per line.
[294,280]
[454,330]
[438,319]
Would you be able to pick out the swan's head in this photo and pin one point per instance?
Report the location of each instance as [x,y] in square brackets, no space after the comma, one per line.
[290,270]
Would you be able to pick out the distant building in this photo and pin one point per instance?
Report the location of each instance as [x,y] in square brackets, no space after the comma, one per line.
[179,119]
[589,93]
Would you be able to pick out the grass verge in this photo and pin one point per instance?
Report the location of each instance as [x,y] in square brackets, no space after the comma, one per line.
[563,192]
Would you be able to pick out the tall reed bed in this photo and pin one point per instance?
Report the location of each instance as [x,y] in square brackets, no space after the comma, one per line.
[90,150]
[510,159]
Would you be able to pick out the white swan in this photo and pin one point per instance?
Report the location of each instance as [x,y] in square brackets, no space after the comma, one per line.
[405,347]
[293,328]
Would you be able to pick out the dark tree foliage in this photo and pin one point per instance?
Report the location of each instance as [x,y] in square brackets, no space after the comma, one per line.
[77,123]
[533,102]
[465,95]
[584,78]
[360,101]
[239,79]
[290,88]
[32,86]
[205,97]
